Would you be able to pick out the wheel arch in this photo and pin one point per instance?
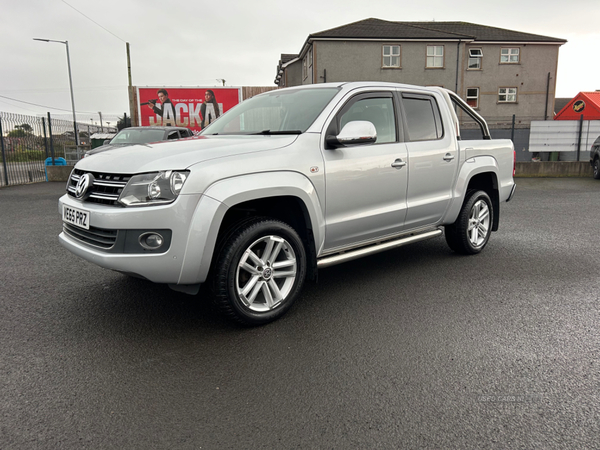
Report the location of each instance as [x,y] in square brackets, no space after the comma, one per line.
[286,196]
[478,173]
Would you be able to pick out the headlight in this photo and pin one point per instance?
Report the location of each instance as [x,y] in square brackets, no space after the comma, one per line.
[153,188]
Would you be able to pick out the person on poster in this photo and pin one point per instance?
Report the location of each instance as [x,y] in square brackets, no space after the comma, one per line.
[166,110]
[209,109]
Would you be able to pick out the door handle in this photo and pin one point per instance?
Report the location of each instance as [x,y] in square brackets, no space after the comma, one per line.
[398,164]
[448,157]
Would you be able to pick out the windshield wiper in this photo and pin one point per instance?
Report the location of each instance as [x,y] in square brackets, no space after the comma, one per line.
[270,133]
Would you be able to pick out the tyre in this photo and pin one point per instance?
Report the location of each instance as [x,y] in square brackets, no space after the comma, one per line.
[471,231]
[597,168]
[259,271]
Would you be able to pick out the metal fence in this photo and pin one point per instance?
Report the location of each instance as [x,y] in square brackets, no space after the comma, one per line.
[26,142]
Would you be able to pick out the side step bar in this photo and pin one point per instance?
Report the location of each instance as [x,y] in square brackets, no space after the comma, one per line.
[372,249]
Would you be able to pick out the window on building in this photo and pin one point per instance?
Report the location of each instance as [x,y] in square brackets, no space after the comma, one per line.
[473,97]
[509,56]
[305,68]
[475,56]
[435,56]
[507,95]
[391,56]
[310,58]
[422,117]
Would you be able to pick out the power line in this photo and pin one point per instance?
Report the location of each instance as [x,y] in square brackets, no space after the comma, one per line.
[44,106]
[92,20]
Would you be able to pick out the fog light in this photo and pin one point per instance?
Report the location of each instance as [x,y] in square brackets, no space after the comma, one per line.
[151,241]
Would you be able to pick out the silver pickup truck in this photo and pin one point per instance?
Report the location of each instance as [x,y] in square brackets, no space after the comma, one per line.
[288,182]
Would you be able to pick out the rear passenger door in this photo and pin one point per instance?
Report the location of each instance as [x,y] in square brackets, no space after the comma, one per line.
[432,159]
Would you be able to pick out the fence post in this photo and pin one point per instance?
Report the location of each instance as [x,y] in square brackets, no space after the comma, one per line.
[579,136]
[50,133]
[512,129]
[3,153]
[45,138]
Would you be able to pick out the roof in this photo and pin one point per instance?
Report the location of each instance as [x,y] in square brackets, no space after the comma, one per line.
[584,103]
[383,29]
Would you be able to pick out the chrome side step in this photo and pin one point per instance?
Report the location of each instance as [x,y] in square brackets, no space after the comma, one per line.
[376,248]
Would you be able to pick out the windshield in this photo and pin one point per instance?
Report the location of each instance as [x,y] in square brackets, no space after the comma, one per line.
[277,112]
[131,136]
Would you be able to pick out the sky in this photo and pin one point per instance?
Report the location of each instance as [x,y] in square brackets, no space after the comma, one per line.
[200,43]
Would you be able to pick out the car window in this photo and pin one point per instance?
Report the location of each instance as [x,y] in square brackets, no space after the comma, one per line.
[422,117]
[137,136]
[378,111]
[173,135]
[287,111]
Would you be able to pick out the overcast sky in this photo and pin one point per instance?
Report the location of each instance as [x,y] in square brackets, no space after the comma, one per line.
[195,43]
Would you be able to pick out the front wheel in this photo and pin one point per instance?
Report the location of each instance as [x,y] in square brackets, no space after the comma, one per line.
[259,272]
[597,168]
[473,227]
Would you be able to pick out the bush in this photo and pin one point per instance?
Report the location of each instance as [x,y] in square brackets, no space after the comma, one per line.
[26,155]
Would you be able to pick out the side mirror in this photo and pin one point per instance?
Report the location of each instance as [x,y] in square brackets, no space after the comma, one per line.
[106,142]
[359,132]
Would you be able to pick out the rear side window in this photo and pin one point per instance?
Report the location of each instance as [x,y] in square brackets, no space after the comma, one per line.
[422,117]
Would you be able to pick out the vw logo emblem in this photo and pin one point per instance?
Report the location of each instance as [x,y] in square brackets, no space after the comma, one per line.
[84,183]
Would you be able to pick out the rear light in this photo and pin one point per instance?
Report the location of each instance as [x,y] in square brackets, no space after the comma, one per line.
[514,162]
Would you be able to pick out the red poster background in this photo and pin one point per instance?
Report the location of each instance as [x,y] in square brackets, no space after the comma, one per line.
[187,104]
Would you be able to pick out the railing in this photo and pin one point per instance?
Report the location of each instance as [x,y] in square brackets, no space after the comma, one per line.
[26,142]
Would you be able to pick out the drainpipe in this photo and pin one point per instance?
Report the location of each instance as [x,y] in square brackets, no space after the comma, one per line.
[457,55]
[547,95]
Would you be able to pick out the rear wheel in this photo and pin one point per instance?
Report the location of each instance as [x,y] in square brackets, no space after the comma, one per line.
[597,168]
[471,231]
[259,272]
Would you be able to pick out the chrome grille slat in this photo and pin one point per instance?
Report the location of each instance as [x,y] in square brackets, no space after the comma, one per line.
[106,189]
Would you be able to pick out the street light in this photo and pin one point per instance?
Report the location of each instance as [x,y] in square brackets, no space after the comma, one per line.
[70,84]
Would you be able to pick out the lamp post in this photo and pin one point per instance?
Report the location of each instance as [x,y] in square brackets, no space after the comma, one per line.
[70,84]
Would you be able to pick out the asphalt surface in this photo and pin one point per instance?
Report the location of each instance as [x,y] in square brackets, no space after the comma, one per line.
[413,348]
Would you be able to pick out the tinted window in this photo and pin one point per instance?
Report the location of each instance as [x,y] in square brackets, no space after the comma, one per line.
[422,118]
[378,111]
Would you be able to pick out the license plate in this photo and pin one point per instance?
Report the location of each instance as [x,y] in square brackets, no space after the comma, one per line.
[76,216]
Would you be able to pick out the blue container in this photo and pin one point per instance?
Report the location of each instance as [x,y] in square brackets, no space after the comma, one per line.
[57,162]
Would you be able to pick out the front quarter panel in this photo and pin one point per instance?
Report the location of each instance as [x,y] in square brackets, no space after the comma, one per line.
[224,194]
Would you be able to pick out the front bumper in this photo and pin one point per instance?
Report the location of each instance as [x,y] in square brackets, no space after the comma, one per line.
[160,267]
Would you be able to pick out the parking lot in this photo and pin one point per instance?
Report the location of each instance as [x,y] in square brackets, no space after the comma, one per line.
[414,348]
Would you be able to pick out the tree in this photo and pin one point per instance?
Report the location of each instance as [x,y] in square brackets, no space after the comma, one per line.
[22,130]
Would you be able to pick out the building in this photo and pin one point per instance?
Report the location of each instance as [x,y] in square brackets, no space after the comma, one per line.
[586,104]
[499,72]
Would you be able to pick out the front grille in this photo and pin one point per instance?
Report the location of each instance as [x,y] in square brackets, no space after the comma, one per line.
[105,189]
[98,237]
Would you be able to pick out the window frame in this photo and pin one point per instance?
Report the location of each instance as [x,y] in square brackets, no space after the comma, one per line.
[477,58]
[439,125]
[434,56]
[507,94]
[391,55]
[334,128]
[467,97]
[509,54]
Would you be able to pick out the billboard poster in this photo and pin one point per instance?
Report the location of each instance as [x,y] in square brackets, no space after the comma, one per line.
[190,107]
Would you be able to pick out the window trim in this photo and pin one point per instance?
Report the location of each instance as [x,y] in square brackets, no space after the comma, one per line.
[439,124]
[476,98]
[474,56]
[516,94]
[334,126]
[391,55]
[518,61]
[443,56]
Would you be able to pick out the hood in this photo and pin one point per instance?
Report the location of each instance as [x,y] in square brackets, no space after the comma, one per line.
[179,155]
[103,148]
